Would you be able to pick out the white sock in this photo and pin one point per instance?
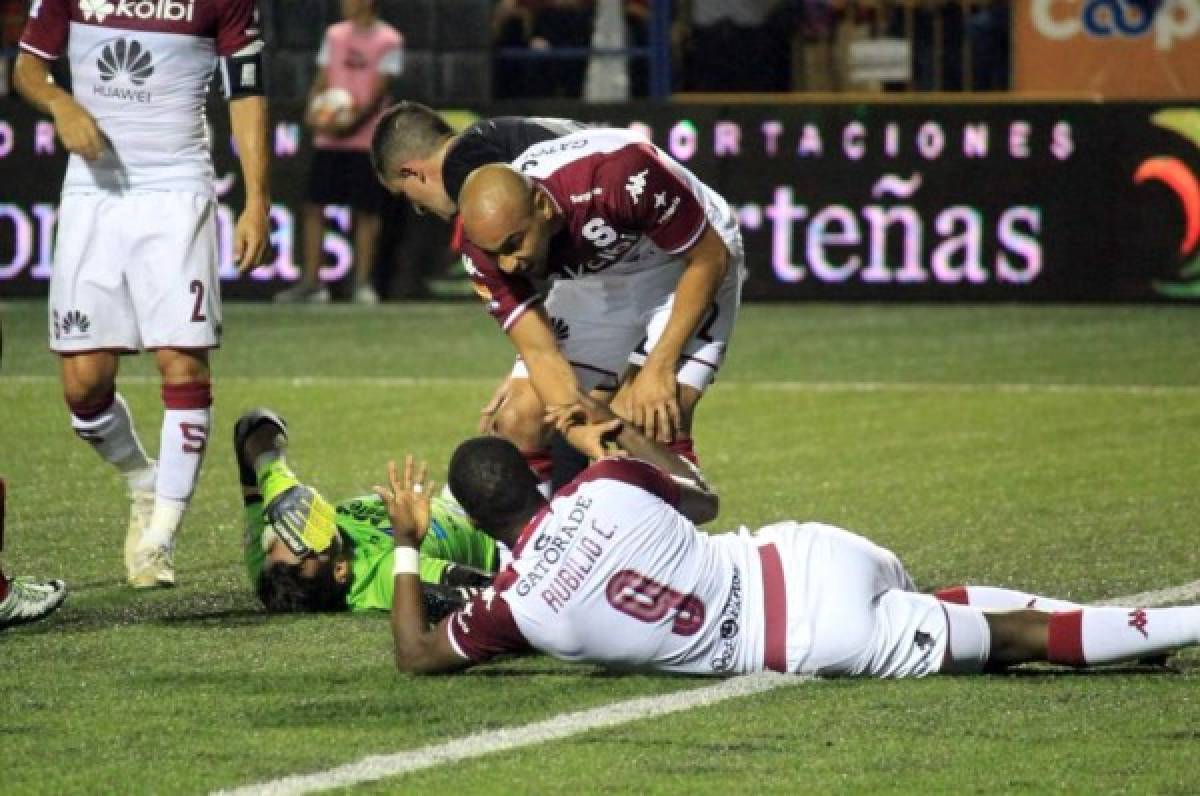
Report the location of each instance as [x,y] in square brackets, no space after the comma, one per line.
[164,523]
[1111,635]
[111,434]
[181,451]
[994,598]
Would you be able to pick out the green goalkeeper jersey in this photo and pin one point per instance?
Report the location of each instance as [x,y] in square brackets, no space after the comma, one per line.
[365,525]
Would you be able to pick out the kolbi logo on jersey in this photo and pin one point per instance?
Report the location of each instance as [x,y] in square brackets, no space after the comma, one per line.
[124,67]
[166,10]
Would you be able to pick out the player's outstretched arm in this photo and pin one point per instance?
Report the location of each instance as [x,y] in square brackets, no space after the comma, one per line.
[651,400]
[417,649]
[549,371]
[589,425]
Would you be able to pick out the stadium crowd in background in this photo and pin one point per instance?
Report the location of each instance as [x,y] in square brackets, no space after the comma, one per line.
[135,259]
[612,570]
[358,59]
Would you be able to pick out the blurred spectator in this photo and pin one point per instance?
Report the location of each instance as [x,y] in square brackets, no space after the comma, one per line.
[542,26]
[359,55]
[12,22]
[736,45]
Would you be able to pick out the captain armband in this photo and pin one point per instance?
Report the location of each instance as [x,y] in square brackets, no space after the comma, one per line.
[242,73]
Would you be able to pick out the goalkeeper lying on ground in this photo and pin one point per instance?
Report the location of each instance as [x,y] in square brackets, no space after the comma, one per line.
[303,554]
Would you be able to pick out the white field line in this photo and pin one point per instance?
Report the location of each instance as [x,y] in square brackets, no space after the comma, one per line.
[377,767]
[781,386]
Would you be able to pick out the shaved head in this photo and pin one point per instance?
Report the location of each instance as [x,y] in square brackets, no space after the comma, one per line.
[496,199]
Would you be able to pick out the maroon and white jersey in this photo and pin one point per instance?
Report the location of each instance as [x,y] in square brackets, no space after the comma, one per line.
[142,68]
[629,208]
[611,573]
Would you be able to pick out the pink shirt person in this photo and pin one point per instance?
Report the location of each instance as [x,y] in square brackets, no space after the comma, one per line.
[353,56]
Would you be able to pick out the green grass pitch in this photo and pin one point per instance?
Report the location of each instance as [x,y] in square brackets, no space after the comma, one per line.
[1053,449]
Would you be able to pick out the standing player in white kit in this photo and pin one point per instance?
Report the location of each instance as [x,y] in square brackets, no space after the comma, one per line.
[613,571]
[135,262]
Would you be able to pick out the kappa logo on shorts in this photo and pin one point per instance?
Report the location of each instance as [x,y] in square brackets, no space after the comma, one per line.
[73,324]
[561,330]
[922,640]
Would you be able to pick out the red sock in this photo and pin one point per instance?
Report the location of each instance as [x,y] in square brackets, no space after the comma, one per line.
[1110,635]
[953,594]
[683,446]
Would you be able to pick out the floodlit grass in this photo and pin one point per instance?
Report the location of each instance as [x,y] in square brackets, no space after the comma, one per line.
[1052,449]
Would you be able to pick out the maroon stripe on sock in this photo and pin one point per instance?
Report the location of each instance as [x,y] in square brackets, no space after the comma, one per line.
[953,594]
[1064,642]
[540,462]
[683,446]
[194,395]
[774,609]
[87,410]
[3,586]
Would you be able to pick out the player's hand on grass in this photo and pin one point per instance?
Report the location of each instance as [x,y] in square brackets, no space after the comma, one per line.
[651,403]
[77,129]
[250,236]
[407,499]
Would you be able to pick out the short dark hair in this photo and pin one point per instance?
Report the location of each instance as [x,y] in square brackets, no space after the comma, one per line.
[407,130]
[492,481]
[284,590]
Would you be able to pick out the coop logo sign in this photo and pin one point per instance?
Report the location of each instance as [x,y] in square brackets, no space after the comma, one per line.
[1173,22]
[165,10]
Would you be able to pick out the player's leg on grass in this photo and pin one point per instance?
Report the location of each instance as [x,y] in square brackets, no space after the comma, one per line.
[993,598]
[1080,637]
[101,417]
[187,421]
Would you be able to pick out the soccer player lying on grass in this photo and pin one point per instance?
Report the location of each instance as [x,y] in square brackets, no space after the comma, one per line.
[613,571]
[303,554]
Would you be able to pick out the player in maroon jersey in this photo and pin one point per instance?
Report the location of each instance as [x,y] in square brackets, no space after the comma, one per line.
[645,266]
[135,260]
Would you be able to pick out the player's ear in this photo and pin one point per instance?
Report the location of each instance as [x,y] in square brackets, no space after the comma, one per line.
[341,571]
[543,205]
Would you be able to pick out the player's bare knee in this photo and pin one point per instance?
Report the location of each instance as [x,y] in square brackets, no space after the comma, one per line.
[182,367]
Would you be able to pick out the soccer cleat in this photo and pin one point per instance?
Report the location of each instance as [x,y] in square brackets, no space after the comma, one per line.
[302,294]
[29,600]
[365,294]
[153,568]
[246,425]
[141,507]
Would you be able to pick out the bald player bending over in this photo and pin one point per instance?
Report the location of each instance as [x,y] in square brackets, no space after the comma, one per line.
[646,264]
